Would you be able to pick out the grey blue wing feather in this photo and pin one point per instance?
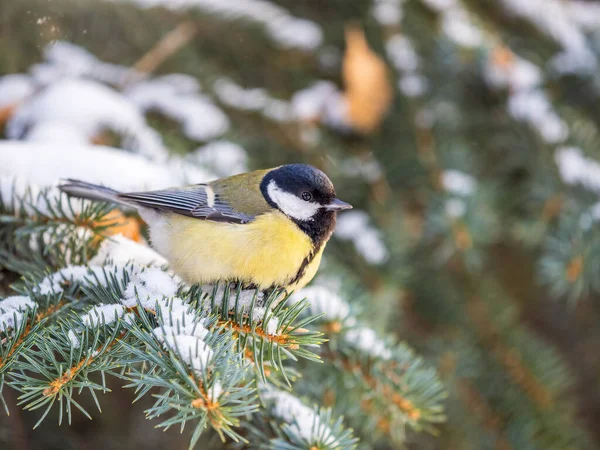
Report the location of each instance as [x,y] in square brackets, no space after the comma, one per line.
[192,201]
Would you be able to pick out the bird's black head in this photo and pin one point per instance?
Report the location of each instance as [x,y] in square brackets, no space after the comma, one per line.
[306,195]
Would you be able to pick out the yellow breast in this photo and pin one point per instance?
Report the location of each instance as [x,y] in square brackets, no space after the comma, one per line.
[266,252]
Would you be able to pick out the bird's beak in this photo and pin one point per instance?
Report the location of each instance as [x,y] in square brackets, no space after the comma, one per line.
[337,205]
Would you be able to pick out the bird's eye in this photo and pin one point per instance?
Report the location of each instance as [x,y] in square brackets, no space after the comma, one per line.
[306,196]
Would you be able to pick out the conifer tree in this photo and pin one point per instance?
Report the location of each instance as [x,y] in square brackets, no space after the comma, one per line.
[456,306]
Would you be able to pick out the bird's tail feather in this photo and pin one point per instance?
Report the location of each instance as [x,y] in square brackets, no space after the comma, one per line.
[82,189]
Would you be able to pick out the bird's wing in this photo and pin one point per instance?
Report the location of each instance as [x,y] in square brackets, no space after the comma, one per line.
[198,201]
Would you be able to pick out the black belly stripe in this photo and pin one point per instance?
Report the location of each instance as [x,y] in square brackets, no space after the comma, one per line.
[304,265]
[319,230]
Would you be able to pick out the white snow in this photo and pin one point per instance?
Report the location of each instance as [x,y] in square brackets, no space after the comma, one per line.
[574,62]
[286,30]
[180,82]
[56,132]
[234,95]
[303,419]
[200,118]
[83,275]
[519,74]
[404,58]
[16,303]
[522,78]
[16,193]
[45,165]
[278,111]
[225,158]
[440,5]
[554,18]
[455,207]
[11,320]
[66,233]
[388,12]
[75,274]
[534,107]
[180,329]
[65,59]
[272,323]
[575,168]
[402,53]
[459,27]
[14,89]
[591,216]
[413,85]
[585,14]
[176,313]
[14,188]
[320,101]
[243,302]
[192,329]
[193,350]
[215,391]
[253,99]
[11,311]
[355,226]
[121,250]
[457,24]
[324,300]
[458,183]
[103,314]
[336,114]
[91,108]
[309,103]
[366,340]
[75,342]
[150,285]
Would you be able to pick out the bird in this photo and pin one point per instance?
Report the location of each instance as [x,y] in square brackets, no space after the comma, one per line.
[265,229]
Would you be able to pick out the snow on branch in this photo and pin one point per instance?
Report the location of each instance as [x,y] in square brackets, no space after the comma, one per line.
[355,226]
[559,20]
[404,57]
[253,99]
[56,283]
[200,118]
[366,340]
[388,12]
[86,108]
[65,59]
[120,250]
[575,168]
[324,300]
[302,419]
[457,24]
[12,309]
[225,158]
[381,366]
[286,30]
[461,186]
[14,89]
[45,165]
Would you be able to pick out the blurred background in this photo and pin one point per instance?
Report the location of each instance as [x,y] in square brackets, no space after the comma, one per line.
[464,132]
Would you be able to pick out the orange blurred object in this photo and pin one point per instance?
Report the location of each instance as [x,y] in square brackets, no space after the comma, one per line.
[6,112]
[503,57]
[367,86]
[118,223]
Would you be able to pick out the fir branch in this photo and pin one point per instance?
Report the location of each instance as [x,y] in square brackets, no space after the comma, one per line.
[395,388]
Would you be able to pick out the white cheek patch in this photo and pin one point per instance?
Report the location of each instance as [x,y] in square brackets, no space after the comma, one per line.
[290,204]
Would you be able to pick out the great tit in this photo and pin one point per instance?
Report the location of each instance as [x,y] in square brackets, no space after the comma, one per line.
[264,229]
